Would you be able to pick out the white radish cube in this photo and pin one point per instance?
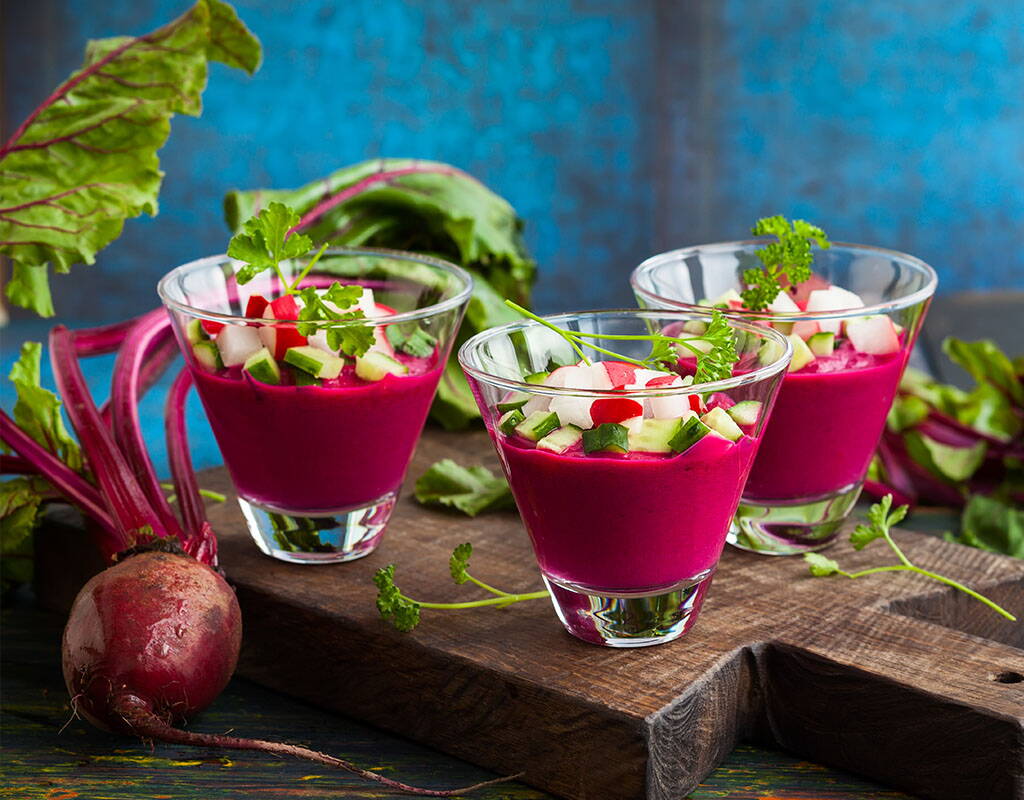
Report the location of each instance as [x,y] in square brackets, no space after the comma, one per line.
[572,411]
[598,376]
[834,298]
[875,335]
[806,328]
[576,376]
[537,402]
[236,343]
[642,376]
[633,425]
[319,341]
[783,304]
[675,405]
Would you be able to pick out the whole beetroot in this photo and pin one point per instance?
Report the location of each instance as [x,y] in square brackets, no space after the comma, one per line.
[158,632]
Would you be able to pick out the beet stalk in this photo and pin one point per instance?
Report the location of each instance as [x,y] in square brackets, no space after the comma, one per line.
[154,639]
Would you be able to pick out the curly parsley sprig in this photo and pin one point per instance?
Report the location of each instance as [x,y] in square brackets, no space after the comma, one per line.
[265,242]
[882,519]
[714,365]
[404,613]
[790,255]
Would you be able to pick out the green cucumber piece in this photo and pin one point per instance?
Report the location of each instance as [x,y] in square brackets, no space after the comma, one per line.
[208,355]
[745,413]
[720,422]
[823,343]
[195,333]
[560,440]
[802,355]
[375,366]
[691,432]
[538,425]
[514,400]
[317,362]
[769,352]
[536,377]
[655,435]
[262,367]
[509,420]
[608,437]
[303,378]
[695,327]
[783,327]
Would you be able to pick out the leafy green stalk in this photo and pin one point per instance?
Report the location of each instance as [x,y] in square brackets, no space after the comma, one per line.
[471,490]
[266,240]
[789,256]
[85,160]
[882,519]
[403,612]
[711,366]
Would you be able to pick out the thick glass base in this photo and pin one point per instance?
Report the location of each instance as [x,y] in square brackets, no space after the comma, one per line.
[319,537]
[629,619]
[791,527]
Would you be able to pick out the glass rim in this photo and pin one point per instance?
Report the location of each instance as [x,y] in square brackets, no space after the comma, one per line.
[918,296]
[754,376]
[453,302]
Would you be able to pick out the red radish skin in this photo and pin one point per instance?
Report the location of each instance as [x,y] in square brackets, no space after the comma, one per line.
[256,305]
[615,409]
[212,328]
[620,373]
[284,307]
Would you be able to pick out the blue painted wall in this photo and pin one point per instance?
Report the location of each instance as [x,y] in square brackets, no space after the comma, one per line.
[617,129]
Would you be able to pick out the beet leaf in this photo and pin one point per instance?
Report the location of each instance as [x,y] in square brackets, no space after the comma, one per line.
[85,160]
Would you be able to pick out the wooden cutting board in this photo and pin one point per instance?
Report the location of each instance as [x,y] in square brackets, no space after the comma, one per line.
[891,676]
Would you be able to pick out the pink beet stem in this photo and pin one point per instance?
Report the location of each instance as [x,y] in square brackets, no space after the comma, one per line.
[185,484]
[146,336]
[149,726]
[72,485]
[153,368]
[125,498]
[103,339]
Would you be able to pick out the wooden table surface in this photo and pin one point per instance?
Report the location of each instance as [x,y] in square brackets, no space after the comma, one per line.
[48,756]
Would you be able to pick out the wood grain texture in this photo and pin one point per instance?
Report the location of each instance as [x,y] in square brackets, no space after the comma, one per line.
[827,667]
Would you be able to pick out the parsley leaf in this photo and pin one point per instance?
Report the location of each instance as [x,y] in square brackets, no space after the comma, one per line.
[820,565]
[345,330]
[395,607]
[470,490]
[458,564]
[264,242]
[790,256]
[717,364]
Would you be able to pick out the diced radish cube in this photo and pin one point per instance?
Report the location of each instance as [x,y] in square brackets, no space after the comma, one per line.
[599,378]
[666,380]
[804,289]
[536,403]
[783,304]
[277,338]
[212,328]
[572,411]
[875,335]
[614,409]
[834,298]
[256,306]
[696,404]
[633,424]
[319,340]
[284,307]
[574,376]
[643,377]
[236,343]
[675,405]
[619,373]
[805,329]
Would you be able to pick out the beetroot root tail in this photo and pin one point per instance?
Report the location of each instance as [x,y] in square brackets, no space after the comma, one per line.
[149,726]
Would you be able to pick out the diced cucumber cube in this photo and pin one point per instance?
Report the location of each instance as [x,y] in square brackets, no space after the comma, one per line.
[509,420]
[695,327]
[195,332]
[262,367]
[769,352]
[560,440]
[303,378]
[314,361]
[783,327]
[700,345]
[802,355]
[822,344]
[536,377]
[375,366]
[655,435]
[728,296]
[691,432]
[720,422]
[207,355]
[538,425]
[608,437]
[514,400]
[745,413]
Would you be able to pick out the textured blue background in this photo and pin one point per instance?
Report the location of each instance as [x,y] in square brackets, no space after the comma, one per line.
[617,129]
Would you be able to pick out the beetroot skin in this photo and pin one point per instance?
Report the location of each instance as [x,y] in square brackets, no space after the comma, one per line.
[158,632]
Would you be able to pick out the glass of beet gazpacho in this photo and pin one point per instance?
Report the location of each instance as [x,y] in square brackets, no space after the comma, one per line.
[852,325]
[626,477]
[317,441]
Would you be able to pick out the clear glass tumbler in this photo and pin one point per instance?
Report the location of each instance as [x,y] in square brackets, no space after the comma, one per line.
[626,478]
[317,443]
[849,353]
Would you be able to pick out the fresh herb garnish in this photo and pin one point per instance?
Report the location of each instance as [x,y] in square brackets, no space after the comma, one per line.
[470,490]
[404,613]
[882,519]
[714,365]
[790,256]
[268,239]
